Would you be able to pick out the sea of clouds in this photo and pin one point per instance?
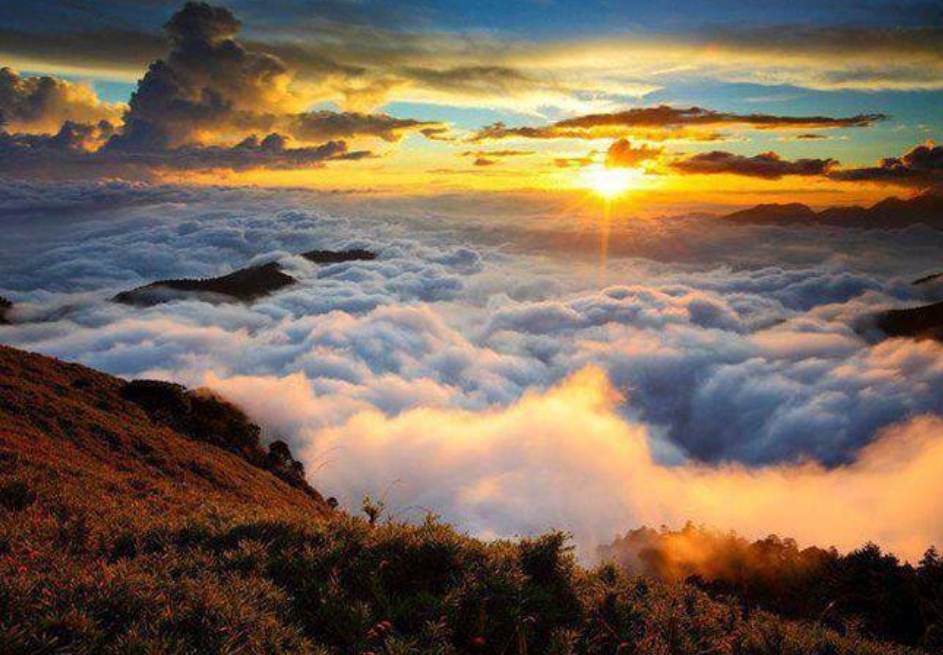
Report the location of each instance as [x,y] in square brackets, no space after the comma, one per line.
[488,367]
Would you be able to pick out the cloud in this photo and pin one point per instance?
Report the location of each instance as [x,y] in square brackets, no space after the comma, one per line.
[200,108]
[209,84]
[837,56]
[365,55]
[569,162]
[766,165]
[320,125]
[668,120]
[69,153]
[524,469]
[42,104]
[714,357]
[483,81]
[497,154]
[921,166]
[622,154]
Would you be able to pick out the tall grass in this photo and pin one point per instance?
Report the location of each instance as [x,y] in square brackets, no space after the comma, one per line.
[97,575]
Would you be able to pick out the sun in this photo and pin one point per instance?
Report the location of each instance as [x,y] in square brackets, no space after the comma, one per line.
[607,182]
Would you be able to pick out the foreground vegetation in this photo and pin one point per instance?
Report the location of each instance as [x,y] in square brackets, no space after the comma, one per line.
[884,597]
[147,519]
[75,579]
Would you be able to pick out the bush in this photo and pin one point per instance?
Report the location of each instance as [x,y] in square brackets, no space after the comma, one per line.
[265,581]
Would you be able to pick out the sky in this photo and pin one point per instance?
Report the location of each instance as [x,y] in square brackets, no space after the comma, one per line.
[432,96]
[558,331]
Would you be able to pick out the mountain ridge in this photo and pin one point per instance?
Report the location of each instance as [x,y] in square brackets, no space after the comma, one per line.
[925,208]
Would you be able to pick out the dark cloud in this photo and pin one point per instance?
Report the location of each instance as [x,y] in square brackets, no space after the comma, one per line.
[622,154]
[669,119]
[767,165]
[39,154]
[437,133]
[831,40]
[922,166]
[188,110]
[43,103]
[125,51]
[369,51]
[66,154]
[319,125]
[209,83]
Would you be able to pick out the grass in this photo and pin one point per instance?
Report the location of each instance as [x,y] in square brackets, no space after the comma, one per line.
[94,576]
[119,534]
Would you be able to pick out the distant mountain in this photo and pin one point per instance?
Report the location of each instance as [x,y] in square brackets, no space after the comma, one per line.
[5,307]
[926,208]
[774,213]
[338,256]
[927,279]
[925,322]
[244,284]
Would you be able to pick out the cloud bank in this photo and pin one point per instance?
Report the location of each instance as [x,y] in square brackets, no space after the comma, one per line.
[662,121]
[720,373]
[523,468]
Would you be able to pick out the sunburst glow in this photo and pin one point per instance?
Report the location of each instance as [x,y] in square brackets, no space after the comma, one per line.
[608,182]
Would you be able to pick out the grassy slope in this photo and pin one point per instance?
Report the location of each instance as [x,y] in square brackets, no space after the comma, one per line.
[119,536]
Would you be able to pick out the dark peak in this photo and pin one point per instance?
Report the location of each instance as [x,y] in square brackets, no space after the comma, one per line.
[5,307]
[244,284]
[774,213]
[924,322]
[338,256]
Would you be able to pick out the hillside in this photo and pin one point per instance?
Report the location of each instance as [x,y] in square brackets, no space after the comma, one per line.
[925,208]
[145,518]
[63,421]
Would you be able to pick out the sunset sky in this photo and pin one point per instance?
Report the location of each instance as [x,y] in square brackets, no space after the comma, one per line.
[717,103]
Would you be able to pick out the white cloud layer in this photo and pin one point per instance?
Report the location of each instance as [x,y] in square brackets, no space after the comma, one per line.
[712,372]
